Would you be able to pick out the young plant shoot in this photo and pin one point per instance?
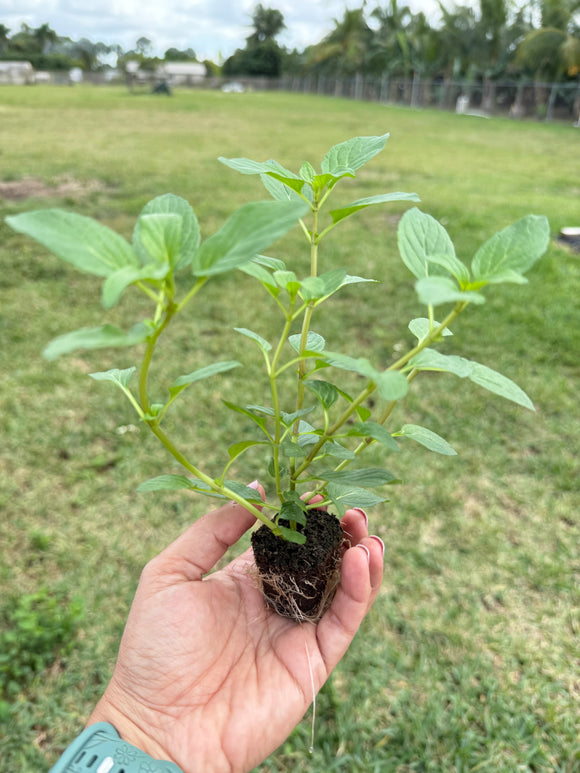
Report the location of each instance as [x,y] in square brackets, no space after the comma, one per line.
[314,433]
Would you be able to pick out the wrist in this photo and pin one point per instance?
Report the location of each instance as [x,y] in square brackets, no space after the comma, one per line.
[99,748]
[130,724]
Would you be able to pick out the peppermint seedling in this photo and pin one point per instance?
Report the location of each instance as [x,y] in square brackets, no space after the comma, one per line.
[314,434]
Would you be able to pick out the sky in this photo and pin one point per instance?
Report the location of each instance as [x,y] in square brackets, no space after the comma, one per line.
[212,28]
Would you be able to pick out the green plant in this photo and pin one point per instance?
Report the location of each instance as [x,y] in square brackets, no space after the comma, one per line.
[313,428]
[40,625]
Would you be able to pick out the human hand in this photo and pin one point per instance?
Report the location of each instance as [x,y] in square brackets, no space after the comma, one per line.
[207,676]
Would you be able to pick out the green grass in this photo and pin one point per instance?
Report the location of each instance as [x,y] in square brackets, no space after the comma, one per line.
[469,660]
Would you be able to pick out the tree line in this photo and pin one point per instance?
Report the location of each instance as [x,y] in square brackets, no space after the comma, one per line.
[492,39]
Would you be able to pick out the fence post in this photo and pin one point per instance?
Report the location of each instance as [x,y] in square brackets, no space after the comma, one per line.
[384,93]
[358,86]
[415,89]
[551,102]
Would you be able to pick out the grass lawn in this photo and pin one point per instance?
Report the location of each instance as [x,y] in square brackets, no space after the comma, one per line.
[470,659]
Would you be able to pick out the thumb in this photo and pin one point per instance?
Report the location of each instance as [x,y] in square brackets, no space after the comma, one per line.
[200,547]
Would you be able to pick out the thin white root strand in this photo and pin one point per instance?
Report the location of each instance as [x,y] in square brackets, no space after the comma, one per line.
[311,749]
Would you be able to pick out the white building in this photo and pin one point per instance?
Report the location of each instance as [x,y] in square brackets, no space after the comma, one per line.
[17,73]
[181,73]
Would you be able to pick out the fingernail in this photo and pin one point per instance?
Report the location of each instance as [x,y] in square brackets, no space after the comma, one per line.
[362,512]
[366,550]
[381,543]
[254,484]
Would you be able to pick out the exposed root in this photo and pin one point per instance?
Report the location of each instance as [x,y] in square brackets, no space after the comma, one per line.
[289,599]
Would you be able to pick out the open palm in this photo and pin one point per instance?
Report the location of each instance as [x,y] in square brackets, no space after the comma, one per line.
[207,676]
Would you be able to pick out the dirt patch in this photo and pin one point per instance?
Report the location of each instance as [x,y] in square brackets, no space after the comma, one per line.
[34,188]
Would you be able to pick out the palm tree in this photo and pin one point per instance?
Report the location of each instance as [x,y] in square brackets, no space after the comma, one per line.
[268,22]
[553,51]
[345,50]
[391,50]
[4,39]
[45,37]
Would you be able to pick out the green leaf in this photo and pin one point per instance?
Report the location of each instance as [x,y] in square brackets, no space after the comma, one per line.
[340,214]
[81,241]
[260,273]
[421,327]
[262,343]
[279,191]
[427,438]
[189,233]
[420,236]
[500,385]
[289,418]
[275,264]
[259,420]
[314,342]
[247,166]
[431,359]
[375,431]
[166,483]
[345,497]
[157,238]
[292,511]
[116,284]
[269,168]
[366,478]
[119,377]
[238,448]
[337,451]
[307,434]
[250,494]
[290,535]
[95,338]
[358,365]
[245,234]
[352,154]
[266,410]
[197,375]
[326,392]
[307,172]
[452,264]
[314,288]
[392,385]
[292,450]
[435,290]
[286,280]
[513,250]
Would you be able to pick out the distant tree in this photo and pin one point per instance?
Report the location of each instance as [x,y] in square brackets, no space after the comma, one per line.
[390,44]
[175,55]
[346,49]
[212,69]
[268,23]
[4,37]
[45,37]
[461,44]
[550,54]
[144,47]
[262,56]
[89,54]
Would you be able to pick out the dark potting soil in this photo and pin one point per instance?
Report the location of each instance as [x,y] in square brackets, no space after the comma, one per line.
[299,580]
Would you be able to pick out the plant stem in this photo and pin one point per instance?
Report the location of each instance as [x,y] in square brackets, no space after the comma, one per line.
[219,489]
[346,414]
[148,356]
[310,308]
[400,363]
[432,335]
[273,376]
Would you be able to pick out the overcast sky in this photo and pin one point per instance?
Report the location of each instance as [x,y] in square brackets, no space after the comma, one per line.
[213,28]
